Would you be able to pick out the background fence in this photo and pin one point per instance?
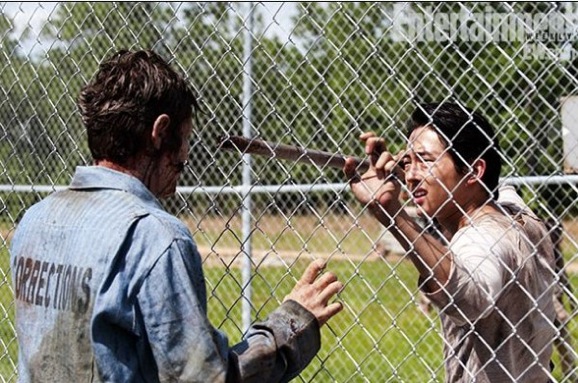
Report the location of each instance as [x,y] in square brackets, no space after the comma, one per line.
[314,75]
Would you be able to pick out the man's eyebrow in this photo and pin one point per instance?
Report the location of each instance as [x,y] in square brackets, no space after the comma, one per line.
[424,153]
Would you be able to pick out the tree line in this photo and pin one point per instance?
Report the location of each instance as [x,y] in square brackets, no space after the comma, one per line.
[342,72]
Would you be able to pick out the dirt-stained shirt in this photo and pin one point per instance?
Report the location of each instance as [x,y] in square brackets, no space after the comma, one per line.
[496,308]
[109,288]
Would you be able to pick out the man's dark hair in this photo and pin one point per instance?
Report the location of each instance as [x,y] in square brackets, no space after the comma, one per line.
[128,93]
[467,135]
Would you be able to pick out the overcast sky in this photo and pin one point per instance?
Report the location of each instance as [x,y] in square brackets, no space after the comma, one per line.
[276,15]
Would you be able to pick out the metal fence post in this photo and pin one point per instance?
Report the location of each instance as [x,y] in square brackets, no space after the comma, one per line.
[247,200]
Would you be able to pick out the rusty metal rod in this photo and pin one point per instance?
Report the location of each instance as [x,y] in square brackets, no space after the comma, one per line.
[288,152]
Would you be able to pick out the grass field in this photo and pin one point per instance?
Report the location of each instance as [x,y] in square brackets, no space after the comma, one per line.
[381,336]
[8,344]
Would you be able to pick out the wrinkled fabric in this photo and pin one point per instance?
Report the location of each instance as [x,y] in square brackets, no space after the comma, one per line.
[109,288]
[496,308]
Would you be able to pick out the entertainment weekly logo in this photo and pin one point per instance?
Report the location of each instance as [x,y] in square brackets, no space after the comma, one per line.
[540,36]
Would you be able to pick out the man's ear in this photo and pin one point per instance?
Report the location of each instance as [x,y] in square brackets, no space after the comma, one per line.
[477,171]
[160,131]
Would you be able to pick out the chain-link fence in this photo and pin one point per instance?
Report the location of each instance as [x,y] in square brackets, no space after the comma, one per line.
[314,75]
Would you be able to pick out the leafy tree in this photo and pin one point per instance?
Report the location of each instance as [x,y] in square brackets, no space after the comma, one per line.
[345,71]
[371,81]
[17,115]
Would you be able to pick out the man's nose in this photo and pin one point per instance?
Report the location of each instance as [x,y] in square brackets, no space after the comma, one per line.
[412,173]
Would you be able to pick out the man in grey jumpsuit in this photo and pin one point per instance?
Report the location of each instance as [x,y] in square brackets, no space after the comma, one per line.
[109,286]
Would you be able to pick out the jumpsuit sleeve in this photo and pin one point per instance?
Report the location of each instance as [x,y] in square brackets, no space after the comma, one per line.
[187,348]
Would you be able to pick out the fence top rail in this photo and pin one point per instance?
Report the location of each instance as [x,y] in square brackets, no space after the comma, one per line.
[336,187]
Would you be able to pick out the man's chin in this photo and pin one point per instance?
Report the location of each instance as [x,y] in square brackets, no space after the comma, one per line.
[421,213]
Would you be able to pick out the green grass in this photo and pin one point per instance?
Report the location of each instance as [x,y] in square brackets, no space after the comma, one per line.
[8,343]
[381,336]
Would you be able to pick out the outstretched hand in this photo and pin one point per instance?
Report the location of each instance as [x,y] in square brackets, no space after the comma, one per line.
[314,293]
[379,187]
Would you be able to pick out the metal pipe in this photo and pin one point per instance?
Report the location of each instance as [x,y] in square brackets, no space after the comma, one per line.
[247,179]
[569,179]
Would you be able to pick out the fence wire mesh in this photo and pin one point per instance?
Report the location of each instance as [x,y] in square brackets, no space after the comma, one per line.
[315,75]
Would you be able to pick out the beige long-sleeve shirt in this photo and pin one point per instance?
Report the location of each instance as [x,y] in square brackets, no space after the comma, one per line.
[496,309]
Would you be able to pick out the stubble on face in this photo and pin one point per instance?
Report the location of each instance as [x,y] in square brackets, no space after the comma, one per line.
[169,166]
